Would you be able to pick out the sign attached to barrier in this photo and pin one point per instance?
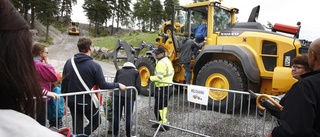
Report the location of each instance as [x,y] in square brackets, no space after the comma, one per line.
[198,94]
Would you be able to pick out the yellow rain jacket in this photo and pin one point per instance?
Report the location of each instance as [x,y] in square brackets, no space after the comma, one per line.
[164,73]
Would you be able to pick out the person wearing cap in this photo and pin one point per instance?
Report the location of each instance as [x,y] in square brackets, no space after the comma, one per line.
[129,76]
[163,77]
[200,32]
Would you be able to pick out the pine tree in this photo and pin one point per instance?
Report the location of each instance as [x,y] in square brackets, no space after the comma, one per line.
[156,15]
[97,12]
[46,11]
[168,4]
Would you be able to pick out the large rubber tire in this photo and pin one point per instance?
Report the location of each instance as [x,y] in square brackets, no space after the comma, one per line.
[182,30]
[168,29]
[222,74]
[146,67]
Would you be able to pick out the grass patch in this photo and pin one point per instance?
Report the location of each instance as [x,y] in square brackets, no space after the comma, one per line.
[133,38]
[49,42]
[101,32]
[60,26]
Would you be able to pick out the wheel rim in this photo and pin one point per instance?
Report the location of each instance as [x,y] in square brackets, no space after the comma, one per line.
[168,31]
[144,75]
[217,80]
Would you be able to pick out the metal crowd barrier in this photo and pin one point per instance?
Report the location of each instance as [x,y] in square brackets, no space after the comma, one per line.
[109,78]
[105,120]
[188,113]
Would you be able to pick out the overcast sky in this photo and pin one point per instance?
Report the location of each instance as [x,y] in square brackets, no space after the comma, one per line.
[287,12]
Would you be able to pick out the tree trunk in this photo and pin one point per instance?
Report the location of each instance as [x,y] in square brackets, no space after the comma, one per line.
[96,22]
[118,16]
[112,24]
[26,12]
[96,34]
[139,25]
[47,33]
[62,8]
[32,17]
[150,26]
[106,24]
[90,25]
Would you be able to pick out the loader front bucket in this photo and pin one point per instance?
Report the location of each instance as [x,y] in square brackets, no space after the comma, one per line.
[128,56]
[131,54]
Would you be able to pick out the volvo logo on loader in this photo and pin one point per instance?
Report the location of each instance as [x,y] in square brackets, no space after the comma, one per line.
[229,34]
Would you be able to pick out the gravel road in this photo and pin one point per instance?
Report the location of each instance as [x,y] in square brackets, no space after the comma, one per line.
[65,47]
[243,122]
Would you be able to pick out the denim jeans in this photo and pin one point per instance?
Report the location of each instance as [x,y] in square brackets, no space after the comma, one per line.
[187,73]
[196,48]
[195,51]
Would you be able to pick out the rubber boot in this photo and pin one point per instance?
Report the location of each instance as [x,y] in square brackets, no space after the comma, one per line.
[163,115]
[156,125]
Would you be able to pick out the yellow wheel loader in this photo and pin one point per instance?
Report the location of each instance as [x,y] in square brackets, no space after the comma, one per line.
[178,26]
[74,28]
[238,56]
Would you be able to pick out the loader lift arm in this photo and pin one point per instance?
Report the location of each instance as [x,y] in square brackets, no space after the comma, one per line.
[132,53]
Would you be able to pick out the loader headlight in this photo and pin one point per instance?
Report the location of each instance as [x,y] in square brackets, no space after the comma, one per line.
[216,4]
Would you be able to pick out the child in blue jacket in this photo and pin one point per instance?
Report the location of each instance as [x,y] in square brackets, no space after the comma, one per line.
[56,105]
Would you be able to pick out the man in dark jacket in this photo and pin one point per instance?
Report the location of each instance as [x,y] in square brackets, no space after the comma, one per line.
[186,46]
[92,75]
[301,105]
[129,76]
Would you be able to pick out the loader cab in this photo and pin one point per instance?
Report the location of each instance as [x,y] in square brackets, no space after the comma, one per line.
[218,18]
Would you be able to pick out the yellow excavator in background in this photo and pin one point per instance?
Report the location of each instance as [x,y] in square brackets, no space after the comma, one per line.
[237,56]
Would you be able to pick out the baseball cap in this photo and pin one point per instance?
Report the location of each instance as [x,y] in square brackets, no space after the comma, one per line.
[159,50]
